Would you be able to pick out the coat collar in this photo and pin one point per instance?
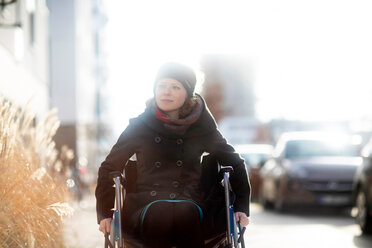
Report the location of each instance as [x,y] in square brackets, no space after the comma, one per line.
[204,125]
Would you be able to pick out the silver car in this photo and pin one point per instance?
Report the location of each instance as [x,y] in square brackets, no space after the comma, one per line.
[310,168]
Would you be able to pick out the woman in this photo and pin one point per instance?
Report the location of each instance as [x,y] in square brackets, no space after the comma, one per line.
[168,139]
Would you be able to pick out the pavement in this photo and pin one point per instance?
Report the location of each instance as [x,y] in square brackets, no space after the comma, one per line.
[268,229]
[81,229]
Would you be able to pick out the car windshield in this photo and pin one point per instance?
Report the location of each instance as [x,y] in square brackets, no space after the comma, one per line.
[317,148]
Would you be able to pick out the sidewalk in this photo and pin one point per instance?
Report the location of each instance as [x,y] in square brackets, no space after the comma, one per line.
[81,229]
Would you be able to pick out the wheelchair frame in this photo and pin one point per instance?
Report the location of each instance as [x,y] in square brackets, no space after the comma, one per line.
[234,237]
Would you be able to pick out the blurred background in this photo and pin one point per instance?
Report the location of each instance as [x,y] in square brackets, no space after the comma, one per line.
[264,67]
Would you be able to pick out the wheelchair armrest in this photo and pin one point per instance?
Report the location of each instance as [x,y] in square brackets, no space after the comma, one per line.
[228,169]
[114,174]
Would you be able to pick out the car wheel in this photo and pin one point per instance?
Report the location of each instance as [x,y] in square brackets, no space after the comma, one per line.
[263,201]
[364,220]
[279,204]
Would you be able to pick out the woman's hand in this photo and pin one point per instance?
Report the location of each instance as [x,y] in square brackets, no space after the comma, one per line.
[105,225]
[242,217]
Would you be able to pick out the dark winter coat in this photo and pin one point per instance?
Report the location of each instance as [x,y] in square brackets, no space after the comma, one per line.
[168,164]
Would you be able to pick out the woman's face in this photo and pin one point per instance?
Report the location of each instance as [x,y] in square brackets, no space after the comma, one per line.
[170,95]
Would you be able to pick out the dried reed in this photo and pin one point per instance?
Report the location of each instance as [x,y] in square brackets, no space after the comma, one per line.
[32,192]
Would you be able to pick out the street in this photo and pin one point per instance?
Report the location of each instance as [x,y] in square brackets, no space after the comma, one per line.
[297,228]
[303,228]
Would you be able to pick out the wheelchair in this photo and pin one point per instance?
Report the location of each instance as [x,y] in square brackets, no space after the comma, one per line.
[232,237]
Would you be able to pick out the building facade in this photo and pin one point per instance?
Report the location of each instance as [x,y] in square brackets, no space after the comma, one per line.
[24,54]
[229,92]
[77,77]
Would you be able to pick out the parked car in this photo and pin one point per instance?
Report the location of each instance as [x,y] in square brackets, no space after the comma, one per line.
[255,155]
[310,168]
[362,190]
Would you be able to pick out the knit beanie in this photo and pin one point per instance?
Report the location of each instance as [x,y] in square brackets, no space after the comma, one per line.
[183,74]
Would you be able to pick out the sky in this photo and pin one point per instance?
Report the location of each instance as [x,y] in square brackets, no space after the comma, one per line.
[312,60]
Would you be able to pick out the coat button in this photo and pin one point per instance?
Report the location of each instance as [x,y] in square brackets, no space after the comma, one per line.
[175,184]
[153,193]
[157,164]
[179,163]
[157,139]
[172,195]
[179,141]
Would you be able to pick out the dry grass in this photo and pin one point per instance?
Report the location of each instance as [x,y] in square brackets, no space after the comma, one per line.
[32,189]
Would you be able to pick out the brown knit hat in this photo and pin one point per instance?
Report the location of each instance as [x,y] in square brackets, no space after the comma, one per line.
[182,73]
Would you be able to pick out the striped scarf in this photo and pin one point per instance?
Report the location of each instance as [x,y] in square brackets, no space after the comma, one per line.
[180,125]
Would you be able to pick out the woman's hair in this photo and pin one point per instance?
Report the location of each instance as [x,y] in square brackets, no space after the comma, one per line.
[187,107]
[184,111]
